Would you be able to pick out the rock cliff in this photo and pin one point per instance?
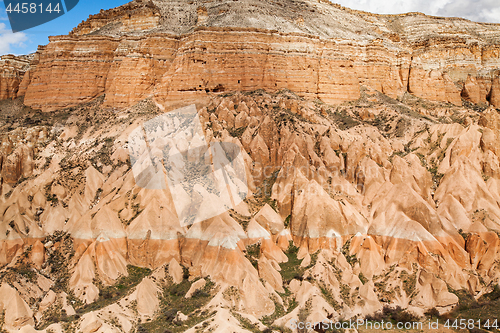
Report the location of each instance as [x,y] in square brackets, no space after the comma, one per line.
[12,70]
[174,49]
[370,146]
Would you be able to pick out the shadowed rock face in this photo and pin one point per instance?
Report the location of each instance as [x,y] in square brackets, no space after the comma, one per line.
[12,70]
[390,198]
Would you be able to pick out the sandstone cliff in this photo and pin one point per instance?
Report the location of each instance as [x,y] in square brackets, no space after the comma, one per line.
[12,70]
[174,49]
[370,145]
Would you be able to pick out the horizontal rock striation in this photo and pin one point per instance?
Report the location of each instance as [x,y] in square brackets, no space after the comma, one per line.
[134,16]
[326,53]
[12,70]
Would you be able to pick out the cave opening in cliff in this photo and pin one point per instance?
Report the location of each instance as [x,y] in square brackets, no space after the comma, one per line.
[218,88]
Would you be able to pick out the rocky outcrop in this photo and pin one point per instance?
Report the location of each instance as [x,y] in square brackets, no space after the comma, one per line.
[494,96]
[472,91]
[17,312]
[386,199]
[97,63]
[18,164]
[136,15]
[12,70]
[135,51]
[17,152]
[338,206]
[433,85]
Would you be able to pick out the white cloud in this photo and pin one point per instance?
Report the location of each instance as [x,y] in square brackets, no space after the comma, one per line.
[491,15]
[395,6]
[8,38]
[475,10]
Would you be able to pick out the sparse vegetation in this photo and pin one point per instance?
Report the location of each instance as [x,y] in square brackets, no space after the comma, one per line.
[464,235]
[2,321]
[329,297]
[343,119]
[351,259]
[287,221]
[247,324]
[362,278]
[484,308]
[237,132]
[253,253]
[393,314]
[432,313]
[172,301]
[279,311]
[110,294]
[345,294]
[291,270]
[409,282]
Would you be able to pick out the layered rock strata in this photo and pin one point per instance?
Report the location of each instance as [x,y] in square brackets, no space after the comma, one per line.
[136,51]
[12,70]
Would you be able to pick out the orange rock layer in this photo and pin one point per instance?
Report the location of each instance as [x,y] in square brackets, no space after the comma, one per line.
[12,70]
[75,69]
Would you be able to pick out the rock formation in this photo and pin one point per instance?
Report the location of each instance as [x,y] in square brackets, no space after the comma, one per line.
[12,70]
[154,48]
[371,156]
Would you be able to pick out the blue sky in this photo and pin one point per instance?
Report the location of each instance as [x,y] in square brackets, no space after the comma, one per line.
[27,41]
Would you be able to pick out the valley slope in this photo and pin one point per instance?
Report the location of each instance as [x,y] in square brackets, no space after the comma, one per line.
[370,147]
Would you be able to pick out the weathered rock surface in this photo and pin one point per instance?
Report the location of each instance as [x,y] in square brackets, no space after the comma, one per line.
[12,70]
[390,199]
[358,208]
[162,49]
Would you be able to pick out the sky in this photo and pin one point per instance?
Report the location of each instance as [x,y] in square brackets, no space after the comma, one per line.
[474,10]
[27,41]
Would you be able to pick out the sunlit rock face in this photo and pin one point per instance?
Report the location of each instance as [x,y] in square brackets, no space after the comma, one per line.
[197,166]
[172,50]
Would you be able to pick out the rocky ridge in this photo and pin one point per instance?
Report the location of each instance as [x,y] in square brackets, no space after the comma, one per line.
[12,70]
[348,214]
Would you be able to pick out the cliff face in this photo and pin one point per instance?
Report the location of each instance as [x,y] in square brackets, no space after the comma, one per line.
[370,145]
[170,67]
[12,70]
[134,16]
[173,50]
